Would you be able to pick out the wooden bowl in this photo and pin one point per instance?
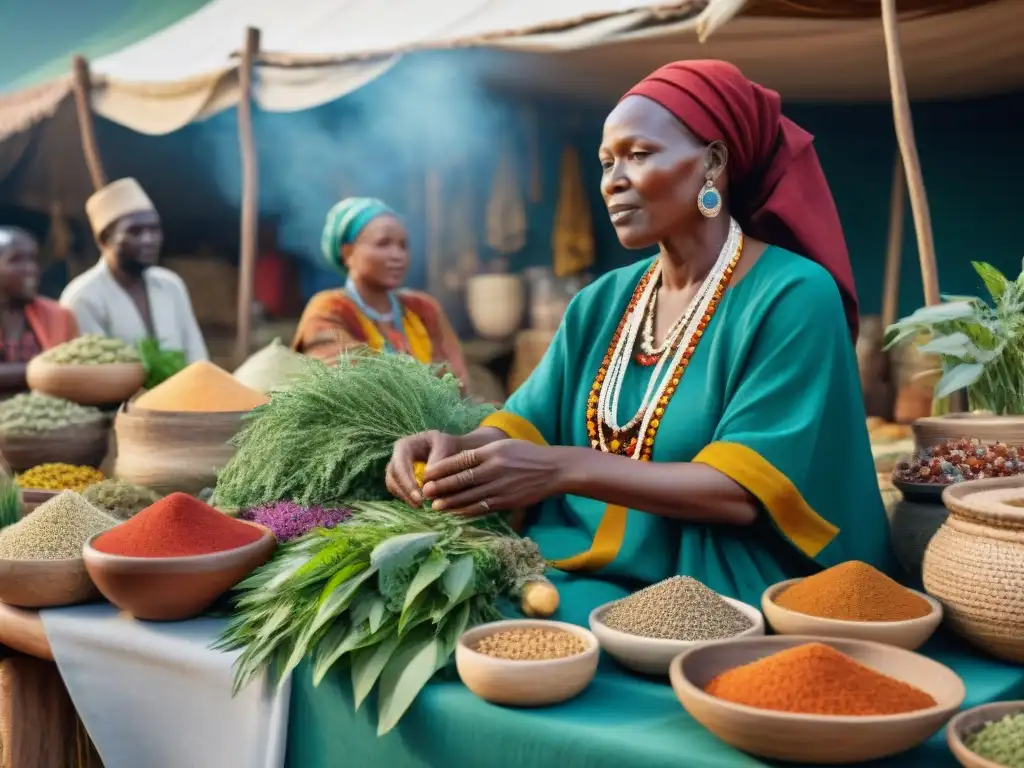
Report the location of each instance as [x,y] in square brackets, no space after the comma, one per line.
[651,655]
[32,498]
[86,384]
[81,445]
[971,720]
[174,588]
[525,683]
[814,739]
[45,583]
[910,634]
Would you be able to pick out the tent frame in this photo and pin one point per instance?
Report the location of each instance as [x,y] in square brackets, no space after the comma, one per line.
[907,167]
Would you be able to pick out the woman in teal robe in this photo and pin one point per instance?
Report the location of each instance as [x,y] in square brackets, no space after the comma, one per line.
[760,466]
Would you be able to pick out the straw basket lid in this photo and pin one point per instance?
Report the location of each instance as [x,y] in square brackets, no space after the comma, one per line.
[996,502]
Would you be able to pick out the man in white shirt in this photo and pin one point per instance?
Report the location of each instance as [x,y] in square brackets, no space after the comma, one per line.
[126,295]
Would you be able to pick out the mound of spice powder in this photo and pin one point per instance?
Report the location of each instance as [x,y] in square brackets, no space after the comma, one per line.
[853,591]
[176,526]
[289,520]
[1001,741]
[678,608]
[202,387]
[55,530]
[816,679]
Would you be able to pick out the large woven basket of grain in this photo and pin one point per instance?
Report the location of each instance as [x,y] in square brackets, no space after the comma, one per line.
[177,436]
[975,564]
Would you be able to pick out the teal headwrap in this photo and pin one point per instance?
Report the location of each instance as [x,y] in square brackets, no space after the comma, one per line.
[344,223]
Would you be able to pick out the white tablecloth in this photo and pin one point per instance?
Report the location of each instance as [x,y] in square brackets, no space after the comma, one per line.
[153,695]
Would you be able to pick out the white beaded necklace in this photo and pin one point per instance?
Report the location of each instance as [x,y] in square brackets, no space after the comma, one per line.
[679,338]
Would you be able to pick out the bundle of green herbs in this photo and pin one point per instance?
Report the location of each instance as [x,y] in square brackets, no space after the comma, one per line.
[326,441]
[980,346]
[160,364]
[10,497]
[388,593]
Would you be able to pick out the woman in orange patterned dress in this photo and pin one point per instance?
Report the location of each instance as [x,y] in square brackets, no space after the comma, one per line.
[367,242]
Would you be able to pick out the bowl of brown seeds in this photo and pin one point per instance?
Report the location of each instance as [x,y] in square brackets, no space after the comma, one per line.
[649,628]
[527,662]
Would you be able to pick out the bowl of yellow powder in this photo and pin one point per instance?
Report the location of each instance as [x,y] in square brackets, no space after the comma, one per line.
[527,662]
[852,600]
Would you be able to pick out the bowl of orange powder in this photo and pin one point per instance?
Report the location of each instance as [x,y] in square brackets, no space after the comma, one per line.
[815,701]
[852,600]
[173,559]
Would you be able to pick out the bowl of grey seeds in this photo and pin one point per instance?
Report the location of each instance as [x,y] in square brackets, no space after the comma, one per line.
[649,628]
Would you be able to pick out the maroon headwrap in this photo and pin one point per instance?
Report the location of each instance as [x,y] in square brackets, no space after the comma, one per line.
[777,190]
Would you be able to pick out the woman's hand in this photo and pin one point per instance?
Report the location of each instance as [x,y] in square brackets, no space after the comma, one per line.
[427,447]
[506,474]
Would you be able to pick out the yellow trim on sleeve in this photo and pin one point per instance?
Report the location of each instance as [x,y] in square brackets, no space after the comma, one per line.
[804,527]
[420,346]
[611,532]
[516,427]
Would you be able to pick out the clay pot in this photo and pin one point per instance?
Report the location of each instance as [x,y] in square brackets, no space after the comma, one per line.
[495,304]
[82,445]
[913,402]
[170,451]
[174,588]
[934,430]
[911,527]
[45,583]
[86,384]
[975,564]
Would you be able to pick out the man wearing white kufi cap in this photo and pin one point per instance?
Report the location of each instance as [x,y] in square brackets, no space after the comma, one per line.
[126,295]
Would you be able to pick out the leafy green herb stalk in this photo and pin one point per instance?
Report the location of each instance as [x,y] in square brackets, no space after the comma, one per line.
[160,364]
[389,593]
[10,497]
[327,440]
[980,346]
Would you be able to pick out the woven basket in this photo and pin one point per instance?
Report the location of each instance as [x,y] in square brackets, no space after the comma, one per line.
[171,451]
[975,564]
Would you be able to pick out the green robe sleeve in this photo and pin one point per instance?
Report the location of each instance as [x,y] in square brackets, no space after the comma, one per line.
[793,430]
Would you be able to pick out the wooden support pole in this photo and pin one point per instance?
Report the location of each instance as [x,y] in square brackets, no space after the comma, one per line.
[894,248]
[250,194]
[86,123]
[908,151]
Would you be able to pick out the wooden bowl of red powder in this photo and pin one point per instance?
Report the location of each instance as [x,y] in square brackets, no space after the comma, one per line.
[173,559]
[817,701]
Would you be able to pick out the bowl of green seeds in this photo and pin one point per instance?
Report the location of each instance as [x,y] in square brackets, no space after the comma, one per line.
[989,736]
[649,628]
[89,370]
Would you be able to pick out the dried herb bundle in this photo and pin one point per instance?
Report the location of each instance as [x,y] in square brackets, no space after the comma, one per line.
[327,440]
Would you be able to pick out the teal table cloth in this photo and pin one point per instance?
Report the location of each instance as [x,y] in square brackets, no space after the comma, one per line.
[620,720]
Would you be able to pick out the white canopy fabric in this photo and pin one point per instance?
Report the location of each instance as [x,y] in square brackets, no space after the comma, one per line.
[314,51]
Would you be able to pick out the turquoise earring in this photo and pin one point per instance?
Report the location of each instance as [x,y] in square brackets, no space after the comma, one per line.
[709,201]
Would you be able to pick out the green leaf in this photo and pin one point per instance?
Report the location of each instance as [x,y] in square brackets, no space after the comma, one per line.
[430,571]
[404,676]
[955,345]
[378,613]
[402,550]
[367,664]
[995,281]
[454,626]
[362,606]
[334,602]
[415,613]
[939,313]
[958,377]
[457,581]
[334,646]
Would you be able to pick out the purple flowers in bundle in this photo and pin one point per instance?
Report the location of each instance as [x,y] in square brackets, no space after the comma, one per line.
[289,521]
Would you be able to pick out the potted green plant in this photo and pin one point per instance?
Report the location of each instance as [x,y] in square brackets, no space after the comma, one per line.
[980,349]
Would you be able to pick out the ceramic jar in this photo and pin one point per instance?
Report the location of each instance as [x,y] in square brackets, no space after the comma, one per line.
[495,304]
